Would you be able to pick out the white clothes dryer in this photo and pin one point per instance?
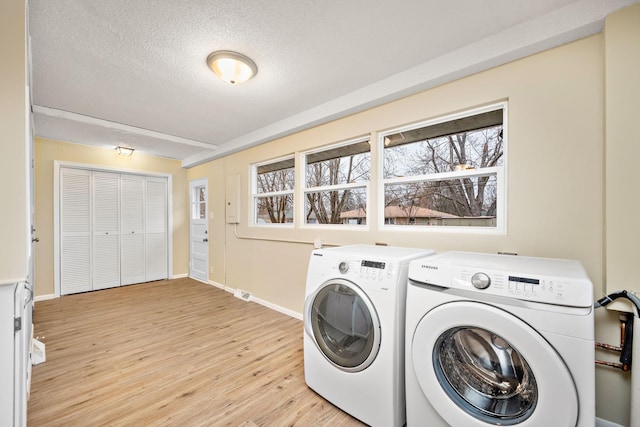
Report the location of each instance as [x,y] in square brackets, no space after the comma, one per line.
[354,329]
[499,340]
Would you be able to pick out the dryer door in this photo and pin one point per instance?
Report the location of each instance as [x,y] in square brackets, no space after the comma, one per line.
[479,365]
[344,325]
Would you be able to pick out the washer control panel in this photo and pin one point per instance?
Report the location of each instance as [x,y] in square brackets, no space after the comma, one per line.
[538,288]
[558,282]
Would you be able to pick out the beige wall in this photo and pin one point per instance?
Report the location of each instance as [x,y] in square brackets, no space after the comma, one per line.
[555,188]
[622,230]
[14,223]
[47,151]
[622,84]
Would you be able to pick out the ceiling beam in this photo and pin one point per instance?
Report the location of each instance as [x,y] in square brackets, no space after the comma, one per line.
[52,112]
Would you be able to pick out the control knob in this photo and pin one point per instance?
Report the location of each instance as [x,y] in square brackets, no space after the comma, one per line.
[481,280]
[343,267]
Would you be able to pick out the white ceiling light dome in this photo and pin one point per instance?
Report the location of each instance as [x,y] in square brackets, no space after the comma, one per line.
[232,67]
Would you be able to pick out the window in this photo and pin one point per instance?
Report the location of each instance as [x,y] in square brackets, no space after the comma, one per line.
[447,172]
[199,202]
[273,185]
[336,184]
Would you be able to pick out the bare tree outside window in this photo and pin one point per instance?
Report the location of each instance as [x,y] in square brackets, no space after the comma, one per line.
[340,174]
[442,172]
[274,184]
[446,173]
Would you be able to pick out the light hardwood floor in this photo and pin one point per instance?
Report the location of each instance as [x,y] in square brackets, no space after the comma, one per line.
[171,353]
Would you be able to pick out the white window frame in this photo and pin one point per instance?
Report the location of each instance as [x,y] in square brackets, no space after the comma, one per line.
[255,195]
[337,187]
[500,172]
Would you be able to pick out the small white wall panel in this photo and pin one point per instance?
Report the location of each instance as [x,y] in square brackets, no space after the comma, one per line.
[75,230]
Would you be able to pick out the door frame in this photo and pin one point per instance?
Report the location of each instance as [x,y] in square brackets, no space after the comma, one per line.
[193,184]
[57,164]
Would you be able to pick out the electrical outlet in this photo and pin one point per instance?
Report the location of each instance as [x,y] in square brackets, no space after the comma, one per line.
[211,270]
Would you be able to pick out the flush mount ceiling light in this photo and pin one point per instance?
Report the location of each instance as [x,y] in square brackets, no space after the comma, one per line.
[232,67]
[124,151]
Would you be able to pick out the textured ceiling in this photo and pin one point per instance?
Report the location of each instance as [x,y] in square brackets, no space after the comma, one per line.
[124,72]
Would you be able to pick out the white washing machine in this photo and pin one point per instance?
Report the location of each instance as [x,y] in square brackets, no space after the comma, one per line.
[354,329]
[499,340]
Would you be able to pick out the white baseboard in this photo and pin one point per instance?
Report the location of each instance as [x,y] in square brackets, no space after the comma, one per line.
[180,276]
[262,302]
[275,307]
[217,285]
[44,297]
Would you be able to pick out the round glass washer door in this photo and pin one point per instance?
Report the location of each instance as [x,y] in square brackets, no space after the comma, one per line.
[479,365]
[344,325]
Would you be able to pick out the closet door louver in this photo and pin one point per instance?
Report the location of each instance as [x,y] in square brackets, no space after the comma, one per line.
[106,230]
[75,231]
[156,228]
[132,261]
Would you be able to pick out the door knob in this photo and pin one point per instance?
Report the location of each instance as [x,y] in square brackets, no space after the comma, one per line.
[205,240]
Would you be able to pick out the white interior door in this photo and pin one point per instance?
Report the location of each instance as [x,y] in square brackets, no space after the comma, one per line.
[32,201]
[199,235]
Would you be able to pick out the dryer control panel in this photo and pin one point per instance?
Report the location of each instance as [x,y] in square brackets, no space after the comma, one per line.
[552,281]
[368,269]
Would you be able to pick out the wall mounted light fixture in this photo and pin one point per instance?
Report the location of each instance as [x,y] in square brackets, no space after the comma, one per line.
[232,67]
[125,151]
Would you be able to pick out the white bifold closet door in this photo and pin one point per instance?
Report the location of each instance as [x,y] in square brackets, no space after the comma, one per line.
[106,230]
[132,216]
[113,229]
[75,231]
[156,223]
